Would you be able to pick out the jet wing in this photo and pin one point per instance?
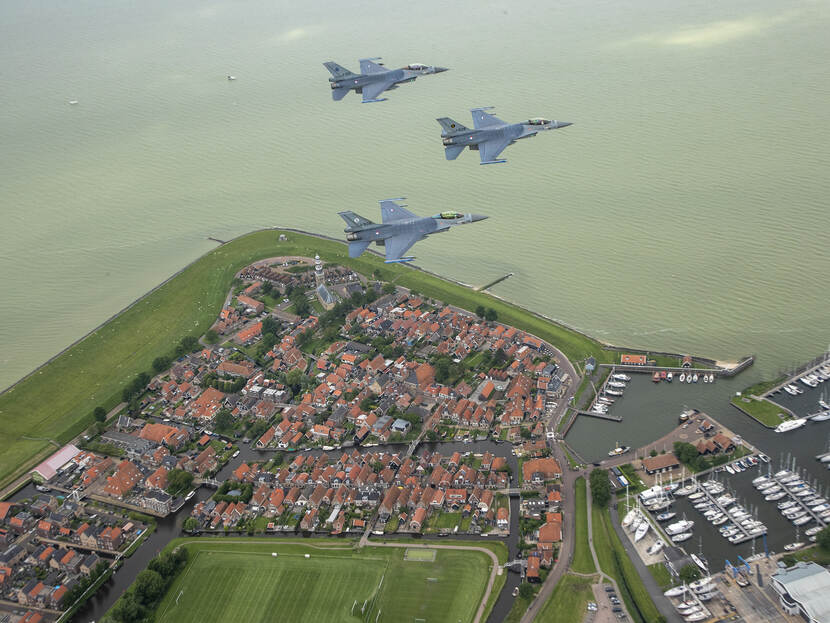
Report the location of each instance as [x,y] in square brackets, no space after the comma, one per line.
[396,246]
[368,66]
[371,91]
[490,150]
[483,119]
[391,211]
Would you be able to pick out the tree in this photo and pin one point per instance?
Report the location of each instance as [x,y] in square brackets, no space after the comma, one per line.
[525,433]
[190,525]
[480,311]
[600,487]
[685,452]
[653,453]
[389,288]
[525,590]
[270,325]
[100,414]
[211,337]
[224,420]
[491,314]
[178,481]
[689,573]
[148,587]
[189,343]
[160,364]
[127,609]
[823,539]
[267,287]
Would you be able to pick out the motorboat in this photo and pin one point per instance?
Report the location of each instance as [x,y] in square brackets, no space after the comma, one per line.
[786,504]
[702,506]
[694,377]
[783,474]
[725,500]
[655,547]
[813,530]
[705,378]
[661,505]
[642,529]
[771,489]
[759,481]
[791,547]
[689,378]
[682,377]
[684,536]
[613,392]
[616,384]
[821,417]
[821,508]
[621,377]
[729,469]
[669,377]
[815,501]
[804,493]
[772,497]
[718,521]
[666,516]
[800,521]
[763,457]
[789,425]
[735,537]
[688,609]
[190,495]
[696,496]
[701,583]
[619,450]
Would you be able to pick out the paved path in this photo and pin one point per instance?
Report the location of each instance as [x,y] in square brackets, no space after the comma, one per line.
[661,601]
[496,569]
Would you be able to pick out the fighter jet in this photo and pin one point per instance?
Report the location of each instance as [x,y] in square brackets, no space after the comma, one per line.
[490,135]
[373,78]
[399,229]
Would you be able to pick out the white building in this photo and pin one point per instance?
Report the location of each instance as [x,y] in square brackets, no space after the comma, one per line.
[804,590]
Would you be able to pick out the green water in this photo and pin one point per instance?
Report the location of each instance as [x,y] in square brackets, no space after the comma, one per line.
[685,209]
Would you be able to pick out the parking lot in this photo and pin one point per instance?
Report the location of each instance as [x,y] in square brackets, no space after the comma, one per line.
[604,613]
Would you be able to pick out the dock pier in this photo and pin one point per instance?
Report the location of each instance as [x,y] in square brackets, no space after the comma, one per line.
[601,416]
[791,496]
[723,509]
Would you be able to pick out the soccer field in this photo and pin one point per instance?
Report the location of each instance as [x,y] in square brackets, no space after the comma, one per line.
[243,581]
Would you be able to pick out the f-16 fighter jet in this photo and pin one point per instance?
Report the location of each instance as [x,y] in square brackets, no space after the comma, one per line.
[399,229]
[373,78]
[490,135]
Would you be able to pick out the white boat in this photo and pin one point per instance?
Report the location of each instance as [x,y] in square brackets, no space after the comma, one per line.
[820,417]
[687,609]
[760,480]
[696,496]
[823,404]
[685,536]
[689,378]
[629,517]
[679,526]
[613,392]
[789,425]
[729,469]
[702,582]
[642,529]
[791,547]
[687,490]
[619,450]
[813,530]
[719,521]
[772,497]
[697,616]
[617,384]
[666,516]
[696,559]
[235,454]
[802,520]
[669,377]
[190,495]
[676,591]
[621,377]
[231,78]
[764,458]
[638,519]
[655,547]
[682,377]
[73,102]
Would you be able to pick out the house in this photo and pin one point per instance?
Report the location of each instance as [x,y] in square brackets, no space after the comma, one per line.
[536,471]
[401,426]
[252,304]
[126,477]
[502,519]
[418,518]
[660,463]
[633,360]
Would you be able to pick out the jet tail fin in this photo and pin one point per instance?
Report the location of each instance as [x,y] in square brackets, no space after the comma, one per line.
[357,247]
[354,221]
[338,72]
[452,152]
[450,127]
[339,93]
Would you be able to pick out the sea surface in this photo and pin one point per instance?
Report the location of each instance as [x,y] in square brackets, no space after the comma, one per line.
[685,209]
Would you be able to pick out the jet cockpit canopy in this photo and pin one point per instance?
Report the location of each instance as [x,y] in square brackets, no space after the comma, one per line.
[449,215]
[538,121]
[416,66]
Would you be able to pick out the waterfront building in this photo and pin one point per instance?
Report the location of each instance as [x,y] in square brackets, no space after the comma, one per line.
[804,590]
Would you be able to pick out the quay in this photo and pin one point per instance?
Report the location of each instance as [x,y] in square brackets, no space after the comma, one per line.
[493,283]
[602,416]
[717,370]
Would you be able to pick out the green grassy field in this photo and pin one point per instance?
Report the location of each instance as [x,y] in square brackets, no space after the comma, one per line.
[583,562]
[94,371]
[567,603]
[615,562]
[241,581]
[766,412]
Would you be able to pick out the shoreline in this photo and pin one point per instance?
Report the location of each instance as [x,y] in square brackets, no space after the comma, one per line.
[71,417]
